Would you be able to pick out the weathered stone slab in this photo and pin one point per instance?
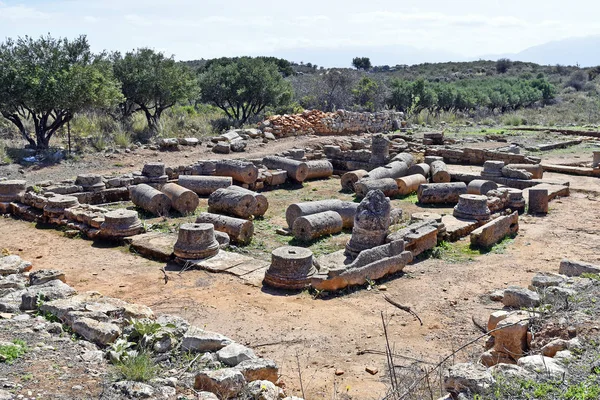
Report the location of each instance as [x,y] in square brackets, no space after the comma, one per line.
[247,268]
[154,245]
[554,191]
[458,228]
[224,261]
[198,340]
[576,268]
[13,265]
[495,230]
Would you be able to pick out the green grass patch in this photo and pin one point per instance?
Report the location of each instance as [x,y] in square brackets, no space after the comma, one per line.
[10,352]
[139,368]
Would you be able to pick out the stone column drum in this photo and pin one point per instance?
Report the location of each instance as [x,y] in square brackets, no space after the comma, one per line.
[155,172]
[472,206]
[410,183]
[196,241]
[380,149]
[204,185]
[182,199]
[90,182]
[481,186]
[538,201]
[291,268]
[56,206]
[312,226]
[492,169]
[350,178]
[421,168]
[515,200]
[371,223]
[121,223]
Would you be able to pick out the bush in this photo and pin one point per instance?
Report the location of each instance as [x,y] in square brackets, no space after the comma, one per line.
[10,352]
[577,80]
[502,65]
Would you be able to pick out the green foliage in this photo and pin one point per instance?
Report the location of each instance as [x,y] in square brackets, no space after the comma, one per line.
[10,352]
[152,83]
[48,80]
[139,367]
[503,94]
[577,80]
[244,87]
[363,63]
[365,93]
[283,66]
[502,65]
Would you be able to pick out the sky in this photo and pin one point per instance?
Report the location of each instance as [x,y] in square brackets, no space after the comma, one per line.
[208,28]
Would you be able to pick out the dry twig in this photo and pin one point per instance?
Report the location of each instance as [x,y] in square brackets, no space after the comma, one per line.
[403,308]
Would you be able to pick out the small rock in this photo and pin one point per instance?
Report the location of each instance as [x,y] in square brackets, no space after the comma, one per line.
[520,297]
[227,382]
[339,372]
[542,365]
[234,354]
[372,370]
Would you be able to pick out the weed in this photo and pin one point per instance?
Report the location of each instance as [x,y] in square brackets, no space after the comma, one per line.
[139,367]
[11,352]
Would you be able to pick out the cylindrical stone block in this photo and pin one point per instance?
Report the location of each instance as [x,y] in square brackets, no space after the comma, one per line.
[262,204]
[388,186]
[350,178]
[239,230]
[241,171]
[314,226]
[395,169]
[410,183]
[481,186]
[429,159]
[596,159]
[296,170]
[121,223]
[536,170]
[538,201]
[150,199]
[232,202]
[196,241]
[380,149]
[154,170]
[407,158]
[319,169]
[492,168]
[183,200]
[291,268]
[346,210]
[472,207]
[11,190]
[58,204]
[439,172]
[441,193]
[421,168]
[204,185]
[516,201]
[90,182]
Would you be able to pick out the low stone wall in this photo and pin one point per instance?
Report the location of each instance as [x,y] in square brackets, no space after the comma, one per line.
[315,122]
[469,155]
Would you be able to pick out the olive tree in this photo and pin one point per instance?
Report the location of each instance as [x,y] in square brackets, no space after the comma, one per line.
[243,87]
[152,83]
[47,80]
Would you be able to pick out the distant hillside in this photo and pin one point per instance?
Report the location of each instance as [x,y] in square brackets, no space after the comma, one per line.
[572,51]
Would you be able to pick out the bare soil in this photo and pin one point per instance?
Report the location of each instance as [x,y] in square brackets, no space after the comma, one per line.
[311,337]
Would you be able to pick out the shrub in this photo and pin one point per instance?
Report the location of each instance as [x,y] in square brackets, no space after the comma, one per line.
[577,80]
[502,65]
[10,352]
[139,367]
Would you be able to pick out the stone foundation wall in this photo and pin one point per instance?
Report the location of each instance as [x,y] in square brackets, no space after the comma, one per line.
[479,156]
[315,122]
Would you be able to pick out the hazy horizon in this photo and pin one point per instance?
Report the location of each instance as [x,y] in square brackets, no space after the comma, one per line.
[387,32]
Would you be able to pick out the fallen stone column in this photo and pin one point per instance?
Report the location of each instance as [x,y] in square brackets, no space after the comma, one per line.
[481,186]
[395,169]
[410,183]
[204,185]
[388,186]
[183,200]
[346,209]
[232,202]
[421,168]
[496,230]
[441,193]
[239,230]
[439,172]
[262,204]
[296,170]
[536,170]
[241,171]
[429,159]
[350,178]
[513,173]
[150,199]
[576,268]
[313,226]
[90,182]
[407,158]
[319,169]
